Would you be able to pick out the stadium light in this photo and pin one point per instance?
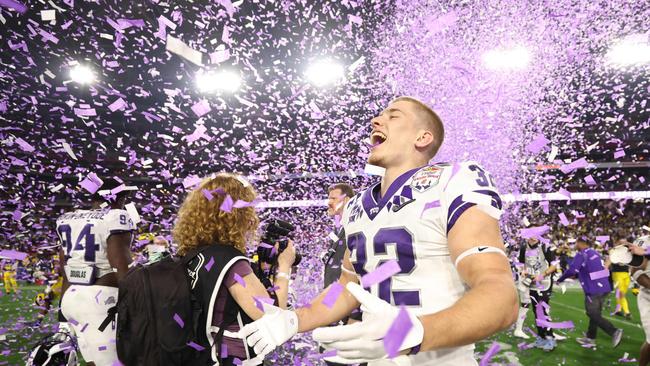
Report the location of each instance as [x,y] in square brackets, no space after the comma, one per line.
[325,72]
[507,59]
[82,74]
[631,50]
[211,81]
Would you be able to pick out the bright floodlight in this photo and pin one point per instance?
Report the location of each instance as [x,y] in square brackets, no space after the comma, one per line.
[324,72]
[82,74]
[631,50]
[507,59]
[210,81]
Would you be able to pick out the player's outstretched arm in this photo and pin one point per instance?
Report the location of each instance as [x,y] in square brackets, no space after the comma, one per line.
[491,303]
[278,326]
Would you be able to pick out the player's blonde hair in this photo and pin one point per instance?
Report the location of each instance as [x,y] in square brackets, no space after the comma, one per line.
[201,222]
[430,119]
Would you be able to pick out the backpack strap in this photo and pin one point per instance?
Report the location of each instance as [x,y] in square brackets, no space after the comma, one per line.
[111,313]
[193,253]
[218,339]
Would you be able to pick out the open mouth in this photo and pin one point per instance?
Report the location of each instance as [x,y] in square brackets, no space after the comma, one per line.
[377,138]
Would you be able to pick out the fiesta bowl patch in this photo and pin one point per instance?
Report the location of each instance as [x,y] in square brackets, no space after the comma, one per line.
[426,178]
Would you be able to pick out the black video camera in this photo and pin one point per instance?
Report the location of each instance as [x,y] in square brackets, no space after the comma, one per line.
[277,231]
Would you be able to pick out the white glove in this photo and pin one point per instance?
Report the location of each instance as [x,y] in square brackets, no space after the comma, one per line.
[365,341]
[271,330]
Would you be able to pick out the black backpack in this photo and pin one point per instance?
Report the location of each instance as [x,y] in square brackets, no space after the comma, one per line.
[157,316]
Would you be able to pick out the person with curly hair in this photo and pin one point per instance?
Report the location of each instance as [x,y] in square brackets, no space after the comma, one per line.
[215,224]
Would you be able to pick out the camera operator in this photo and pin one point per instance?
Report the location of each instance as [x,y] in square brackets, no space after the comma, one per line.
[272,263]
[229,294]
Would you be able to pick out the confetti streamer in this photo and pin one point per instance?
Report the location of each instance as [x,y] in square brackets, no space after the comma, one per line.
[333,294]
[179,320]
[383,272]
[239,280]
[208,266]
[175,45]
[397,333]
[491,352]
[14,5]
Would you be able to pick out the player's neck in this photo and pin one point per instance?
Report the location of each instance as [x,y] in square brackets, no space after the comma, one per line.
[393,173]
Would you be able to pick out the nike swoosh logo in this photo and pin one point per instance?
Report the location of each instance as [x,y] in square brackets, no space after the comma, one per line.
[482,249]
[399,207]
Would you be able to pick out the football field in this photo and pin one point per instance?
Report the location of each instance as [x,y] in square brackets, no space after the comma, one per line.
[570,306]
[19,336]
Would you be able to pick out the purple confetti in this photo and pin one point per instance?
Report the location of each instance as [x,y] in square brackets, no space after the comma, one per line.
[201,108]
[381,273]
[397,332]
[208,266]
[15,5]
[179,320]
[491,352]
[332,294]
[537,144]
[239,280]
[196,346]
[227,204]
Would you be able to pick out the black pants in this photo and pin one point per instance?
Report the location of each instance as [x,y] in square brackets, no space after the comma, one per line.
[594,307]
[538,297]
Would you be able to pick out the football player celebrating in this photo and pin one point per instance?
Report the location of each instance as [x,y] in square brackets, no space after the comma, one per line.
[438,222]
[95,245]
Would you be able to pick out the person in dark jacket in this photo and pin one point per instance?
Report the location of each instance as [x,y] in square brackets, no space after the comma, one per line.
[593,276]
[338,196]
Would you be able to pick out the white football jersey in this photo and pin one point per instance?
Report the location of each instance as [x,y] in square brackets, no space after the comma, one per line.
[410,225]
[83,234]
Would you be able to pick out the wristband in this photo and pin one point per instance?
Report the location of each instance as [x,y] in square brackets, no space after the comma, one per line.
[478,250]
[283,275]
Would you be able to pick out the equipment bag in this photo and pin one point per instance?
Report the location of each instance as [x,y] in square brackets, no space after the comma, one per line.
[157,315]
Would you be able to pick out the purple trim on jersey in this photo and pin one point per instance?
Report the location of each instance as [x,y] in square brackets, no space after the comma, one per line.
[496,200]
[407,192]
[458,206]
[461,208]
[372,207]
[403,297]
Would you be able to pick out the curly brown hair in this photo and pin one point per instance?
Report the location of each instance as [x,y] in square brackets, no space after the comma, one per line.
[201,222]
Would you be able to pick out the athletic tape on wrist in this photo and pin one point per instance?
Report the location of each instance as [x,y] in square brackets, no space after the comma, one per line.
[478,250]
